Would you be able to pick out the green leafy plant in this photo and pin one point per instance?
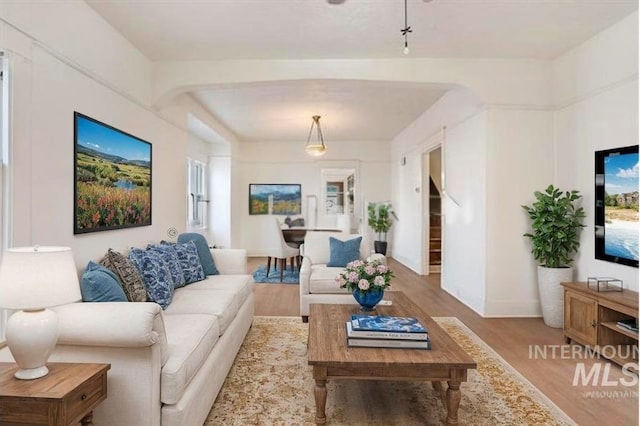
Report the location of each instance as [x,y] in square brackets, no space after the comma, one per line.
[380,219]
[556,224]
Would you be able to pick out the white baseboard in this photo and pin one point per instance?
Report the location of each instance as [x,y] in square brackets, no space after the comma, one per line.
[513,308]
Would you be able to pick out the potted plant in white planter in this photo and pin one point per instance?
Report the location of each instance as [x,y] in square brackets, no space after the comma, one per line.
[380,222]
[556,224]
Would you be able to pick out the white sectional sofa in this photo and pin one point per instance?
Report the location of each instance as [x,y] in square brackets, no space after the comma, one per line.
[317,280]
[167,367]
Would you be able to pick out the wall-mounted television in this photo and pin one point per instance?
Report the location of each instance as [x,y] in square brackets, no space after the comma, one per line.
[616,205]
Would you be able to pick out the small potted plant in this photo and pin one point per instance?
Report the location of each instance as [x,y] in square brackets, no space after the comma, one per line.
[556,224]
[380,222]
[366,279]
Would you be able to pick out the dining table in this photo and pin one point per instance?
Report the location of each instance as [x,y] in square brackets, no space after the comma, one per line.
[296,234]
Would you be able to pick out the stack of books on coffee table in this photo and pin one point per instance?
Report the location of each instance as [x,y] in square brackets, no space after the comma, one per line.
[382,331]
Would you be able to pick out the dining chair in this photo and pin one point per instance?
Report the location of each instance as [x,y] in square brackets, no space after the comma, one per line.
[280,251]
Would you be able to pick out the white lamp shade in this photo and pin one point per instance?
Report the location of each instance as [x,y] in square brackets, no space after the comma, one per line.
[316,149]
[38,277]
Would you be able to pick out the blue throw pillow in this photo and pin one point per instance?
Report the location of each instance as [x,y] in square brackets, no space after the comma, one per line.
[204,253]
[170,257]
[189,261]
[99,284]
[343,252]
[155,275]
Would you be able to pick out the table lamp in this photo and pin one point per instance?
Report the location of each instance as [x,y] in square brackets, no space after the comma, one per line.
[31,280]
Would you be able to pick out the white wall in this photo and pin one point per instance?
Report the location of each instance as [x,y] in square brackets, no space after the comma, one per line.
[280,162]
[93,69]
[220,212]
[420,136]
[494,160]
[497,81]
[596,89]
[45,194]
[464,152]
[76,32]
[464,233]
[47,87]
[198,150]
[519,162]
[407,195]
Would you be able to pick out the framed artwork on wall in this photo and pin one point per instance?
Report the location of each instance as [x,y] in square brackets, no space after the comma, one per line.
[285,199]
[112,177]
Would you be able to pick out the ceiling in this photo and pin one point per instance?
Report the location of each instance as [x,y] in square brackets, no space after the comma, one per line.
[349,110]
[171,30]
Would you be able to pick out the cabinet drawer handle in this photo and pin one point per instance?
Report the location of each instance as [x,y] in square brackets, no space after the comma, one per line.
[83,397]
[593,323]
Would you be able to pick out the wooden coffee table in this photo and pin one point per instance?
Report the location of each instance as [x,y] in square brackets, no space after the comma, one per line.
[332,359]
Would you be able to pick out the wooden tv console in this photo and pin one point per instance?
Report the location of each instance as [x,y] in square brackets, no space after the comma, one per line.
[590,319]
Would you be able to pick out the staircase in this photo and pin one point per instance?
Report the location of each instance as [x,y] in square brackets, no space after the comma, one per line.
[435,243]
[435,229]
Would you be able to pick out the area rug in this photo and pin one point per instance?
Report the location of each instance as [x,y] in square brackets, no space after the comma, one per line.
[288,277]
[270,383]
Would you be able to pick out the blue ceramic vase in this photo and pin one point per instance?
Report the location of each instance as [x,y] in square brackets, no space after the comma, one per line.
[368,300]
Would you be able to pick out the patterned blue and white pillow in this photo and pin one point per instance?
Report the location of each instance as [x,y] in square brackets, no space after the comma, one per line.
[155,275]
[170,257]
[204,253]
[189,261]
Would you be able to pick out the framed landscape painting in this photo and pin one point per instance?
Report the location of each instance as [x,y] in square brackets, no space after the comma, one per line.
[275,199]
[112,174]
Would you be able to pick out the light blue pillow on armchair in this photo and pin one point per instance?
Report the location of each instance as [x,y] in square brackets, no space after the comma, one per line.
[343,252]
[204,253]
[99,284]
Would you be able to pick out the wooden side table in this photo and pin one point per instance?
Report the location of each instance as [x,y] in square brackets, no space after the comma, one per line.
[66,396]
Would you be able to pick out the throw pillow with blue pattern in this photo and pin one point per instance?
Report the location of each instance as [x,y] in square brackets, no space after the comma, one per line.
[189,261]
[206,259]
[155,275]
[170,257]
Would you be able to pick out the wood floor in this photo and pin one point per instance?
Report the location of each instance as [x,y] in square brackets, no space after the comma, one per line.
[515,339]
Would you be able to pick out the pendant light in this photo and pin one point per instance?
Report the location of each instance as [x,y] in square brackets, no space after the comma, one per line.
[317,147]
[405,30]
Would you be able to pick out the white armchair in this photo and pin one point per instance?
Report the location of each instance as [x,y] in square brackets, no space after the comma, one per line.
[317,280]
